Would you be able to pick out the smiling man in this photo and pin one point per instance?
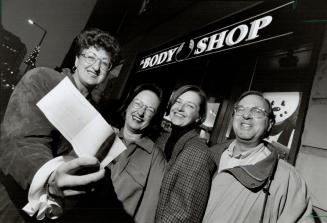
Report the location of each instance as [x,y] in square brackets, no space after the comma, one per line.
[252,184]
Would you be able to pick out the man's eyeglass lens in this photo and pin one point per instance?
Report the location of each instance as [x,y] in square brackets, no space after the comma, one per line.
[255,112]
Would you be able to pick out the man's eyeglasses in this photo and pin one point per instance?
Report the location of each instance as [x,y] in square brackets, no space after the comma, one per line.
[92,59]
[137,104]
[255,112]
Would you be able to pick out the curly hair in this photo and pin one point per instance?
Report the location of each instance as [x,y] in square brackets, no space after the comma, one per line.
[142,87]
[99,39]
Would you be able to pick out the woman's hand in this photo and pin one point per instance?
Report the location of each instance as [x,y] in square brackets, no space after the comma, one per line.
[76,176]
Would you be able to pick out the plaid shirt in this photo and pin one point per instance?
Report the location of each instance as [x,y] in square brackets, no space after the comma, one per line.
[185,188]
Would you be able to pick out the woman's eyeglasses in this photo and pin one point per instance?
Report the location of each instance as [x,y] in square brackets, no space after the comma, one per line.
[92,59]
[149,111]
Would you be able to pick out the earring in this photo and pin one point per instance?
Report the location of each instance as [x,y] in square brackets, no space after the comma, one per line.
[73,68]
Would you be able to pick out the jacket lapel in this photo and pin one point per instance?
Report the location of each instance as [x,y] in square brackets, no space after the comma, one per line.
[251,176]
[218,149]
[139,165]
[180,144]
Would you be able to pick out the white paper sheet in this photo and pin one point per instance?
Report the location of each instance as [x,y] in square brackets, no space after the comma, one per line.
[78,121]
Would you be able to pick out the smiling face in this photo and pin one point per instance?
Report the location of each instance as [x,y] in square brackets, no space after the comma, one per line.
[140,111]
[185,110]
[250,130]
[88,75]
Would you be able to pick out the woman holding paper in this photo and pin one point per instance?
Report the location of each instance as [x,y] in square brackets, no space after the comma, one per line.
[29,141]
[136,173]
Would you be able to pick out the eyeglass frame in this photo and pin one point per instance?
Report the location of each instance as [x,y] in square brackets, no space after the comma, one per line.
[138,104]
[96,59]
[250,110]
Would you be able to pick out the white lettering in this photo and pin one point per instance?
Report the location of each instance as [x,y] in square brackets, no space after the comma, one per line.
[145,62]
[171,53]
[162,57]
[258,24]
[201,46]
[206,44]
[215,43]
[243,32]
[154,60]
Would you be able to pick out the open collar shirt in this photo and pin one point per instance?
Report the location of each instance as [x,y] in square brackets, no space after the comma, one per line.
[229,160]
[237,193]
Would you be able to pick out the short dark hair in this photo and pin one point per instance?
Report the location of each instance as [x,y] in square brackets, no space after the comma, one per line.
[99,39]
[196,89]
[114,111]
[142,87]
[270,111]
[153,129]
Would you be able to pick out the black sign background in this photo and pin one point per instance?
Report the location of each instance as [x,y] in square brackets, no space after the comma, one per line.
[281,26]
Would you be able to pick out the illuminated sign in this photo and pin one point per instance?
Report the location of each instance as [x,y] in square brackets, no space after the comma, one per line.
[249,31]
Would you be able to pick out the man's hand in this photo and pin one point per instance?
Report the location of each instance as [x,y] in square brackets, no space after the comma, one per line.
[67,180]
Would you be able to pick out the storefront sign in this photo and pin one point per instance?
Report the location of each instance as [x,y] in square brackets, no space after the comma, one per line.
[249,31]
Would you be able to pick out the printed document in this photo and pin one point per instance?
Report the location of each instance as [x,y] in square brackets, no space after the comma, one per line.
[80,123]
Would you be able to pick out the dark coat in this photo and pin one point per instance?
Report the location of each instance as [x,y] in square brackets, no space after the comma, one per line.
[186,184]
[28,140]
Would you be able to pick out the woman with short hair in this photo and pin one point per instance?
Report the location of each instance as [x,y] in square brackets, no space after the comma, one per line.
[29,140]
[136,174]
[186,184]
